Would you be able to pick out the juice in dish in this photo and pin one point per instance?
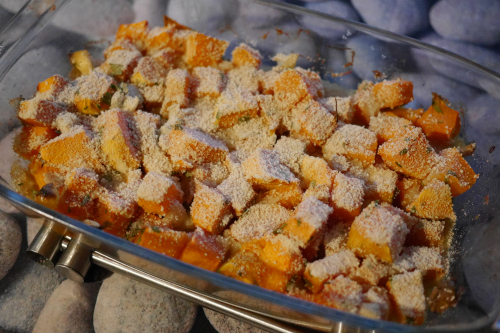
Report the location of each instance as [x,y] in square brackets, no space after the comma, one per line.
[261,175]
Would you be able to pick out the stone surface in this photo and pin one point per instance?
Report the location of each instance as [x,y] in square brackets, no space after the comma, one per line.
[483,115]
[10,243]
[474,21]
[70,308]
[479,54]
[124,305]
[256,15]
[225,324]
[23,293]
[402,17]
[326,28]
[425,84]
[150,10]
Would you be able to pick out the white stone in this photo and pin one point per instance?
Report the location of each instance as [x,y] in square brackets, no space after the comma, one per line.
[225,324]
[10,243]
[124,305]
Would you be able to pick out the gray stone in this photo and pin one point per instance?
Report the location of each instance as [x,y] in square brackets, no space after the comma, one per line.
[483,114]
[404,17]
[70,308]
[373,54]
[10,243]
[124,305]
[474,21]
[479,54]
[225,324]
[206,16]
[256,15]
[149,10]
[8,156]
[23,293]
[326,28]
[425,84]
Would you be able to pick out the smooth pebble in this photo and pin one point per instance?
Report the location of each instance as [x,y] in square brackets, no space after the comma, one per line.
[326,28]
[124,305]
[474,21]
[225,324]
[148,10]
[69,309]
[256,15]
[10,243]
[483,114]
[402,17]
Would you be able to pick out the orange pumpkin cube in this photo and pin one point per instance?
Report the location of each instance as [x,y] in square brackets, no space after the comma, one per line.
[387,126]
[205,250]
[177,90]
[163,240]
[365,105]
[291,87]
[148,72]
[371,272]
[210,209]
[430,233]
[203,50]
[403,287]
[244,55]
[281,253]
[167,37]
[52,86]
[378,231]
[245,266]
[316,123]
[235,106]
[376,304]
[409,189]
[440,123]
[238,191]
[286,195]
[434,202]
[412,115]
[135,33]
[122,44]
[77,198]
[28,141]
[208,81]
[342,293]
[157,193]
[347,197]
[39,112]
[43,173]
[95,93]
[315,171]
[394,93]
[120,64]
[114,212]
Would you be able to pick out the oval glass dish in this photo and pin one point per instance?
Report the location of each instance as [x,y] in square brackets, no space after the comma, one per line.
[37,41]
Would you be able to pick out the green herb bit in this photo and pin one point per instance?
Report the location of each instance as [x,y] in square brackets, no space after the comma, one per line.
[429,149]
[399,165]
[86,107]
[307,108]
[188,174]
[299,222]
[156,229]
[115,69]
[451,172]
[404,151]
[244,119]
[413,210]
[178,127]
[377,203]
[20,184]
[280,229]
[85,200]
[436,107]
[113,86]
[106,98]
[217,115]
[313,183]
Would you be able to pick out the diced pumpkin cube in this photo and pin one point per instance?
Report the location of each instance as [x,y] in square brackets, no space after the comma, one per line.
[434,202]
[28,141]
[208,81]
[388,126]
[134,32]
[157,193]
[52,86]
[409,154]
[342,293]
[365,104]
[356,143]
[286,195]
[245,266]
[205,250]
[291,87]
[210,209]
[393,93]
[275,279]
[427,233]
[235,106]
[203,50]
[314,80]
[193,146]
[166,57]
[43,173]
[371,272]
[428,260]
[322,270]
[77,198]
[290,151]
[320,192]
[177,89]
[163,240]
[148,72]
[308,222]
[245,78]
[409,189]
[238,191]
[440,123]
[454,170]
[167,37]
[412,115]
[347,197]
[74,149]
[335,239]
[404,287]
[95,93]
[267,80]
[82,180]
[268,109]
[259,220]
[281,253]
[264,170]
[122,44]
[378,231]
[380,182]
[82,63]
[316,124]
[120,64]
[244,55]
[119,140]
[114,212]
[39,112]
[315,171]
[376,304]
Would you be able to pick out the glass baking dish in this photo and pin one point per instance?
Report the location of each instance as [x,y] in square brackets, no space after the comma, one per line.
[36,42]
